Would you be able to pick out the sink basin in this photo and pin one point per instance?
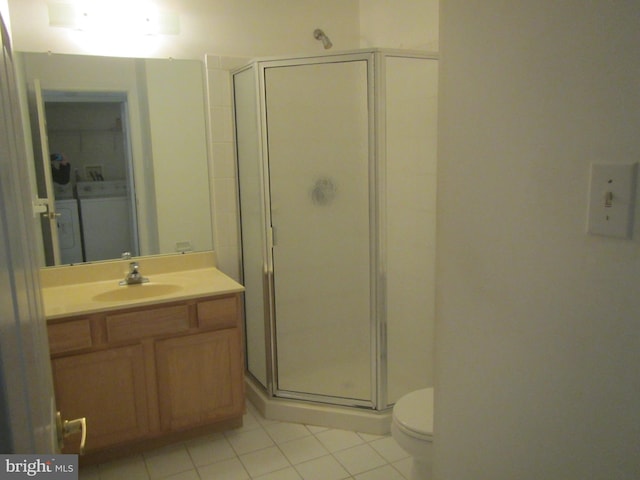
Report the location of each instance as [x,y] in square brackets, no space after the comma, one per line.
[137,292]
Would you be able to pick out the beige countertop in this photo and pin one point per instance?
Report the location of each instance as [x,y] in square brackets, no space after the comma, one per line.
[169,280]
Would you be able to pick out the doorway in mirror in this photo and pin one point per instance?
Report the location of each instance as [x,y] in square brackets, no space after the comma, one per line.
[90,131]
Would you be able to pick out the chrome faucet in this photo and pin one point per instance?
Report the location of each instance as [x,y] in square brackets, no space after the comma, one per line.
[133,277]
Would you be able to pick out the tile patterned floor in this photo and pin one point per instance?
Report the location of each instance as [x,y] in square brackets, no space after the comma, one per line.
[266,450]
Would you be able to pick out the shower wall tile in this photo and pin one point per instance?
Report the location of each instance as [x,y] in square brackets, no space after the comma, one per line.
[228,261]
[212,61]
[231,63]
[221,95]
[224,160]
[221,124]
[228,234]
[224,191]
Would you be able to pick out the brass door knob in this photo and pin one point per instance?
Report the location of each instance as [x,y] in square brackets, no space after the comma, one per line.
[69,427]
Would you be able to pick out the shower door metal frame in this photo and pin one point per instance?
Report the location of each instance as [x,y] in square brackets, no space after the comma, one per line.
[377,142]
[376,312]
[267,272]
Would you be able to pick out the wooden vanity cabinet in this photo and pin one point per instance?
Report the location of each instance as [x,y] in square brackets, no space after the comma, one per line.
[108,388]
[145,374]
[196,378]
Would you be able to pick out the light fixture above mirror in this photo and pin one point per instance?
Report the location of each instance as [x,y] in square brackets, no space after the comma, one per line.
[142,18]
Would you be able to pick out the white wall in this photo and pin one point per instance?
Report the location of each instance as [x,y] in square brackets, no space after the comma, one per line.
[408,24]
[409,160]
[242,28]
[4,12]
[179,145]
[538,330]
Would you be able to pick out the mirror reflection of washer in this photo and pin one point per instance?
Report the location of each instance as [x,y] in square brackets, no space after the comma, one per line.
[106,219]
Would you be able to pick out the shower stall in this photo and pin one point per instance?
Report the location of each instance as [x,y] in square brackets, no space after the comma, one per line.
[337,167]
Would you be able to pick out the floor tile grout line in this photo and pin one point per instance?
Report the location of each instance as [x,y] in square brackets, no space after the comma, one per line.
[290,464]
[332,453]
[195,467]
[261,424]
[329,453]
[278,444]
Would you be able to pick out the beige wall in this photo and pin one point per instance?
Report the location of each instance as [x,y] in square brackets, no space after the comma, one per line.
[179,149]
[243,28]
[538,331]
[407,24]
[4,12]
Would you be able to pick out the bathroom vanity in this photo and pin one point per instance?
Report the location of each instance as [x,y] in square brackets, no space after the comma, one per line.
[146,364]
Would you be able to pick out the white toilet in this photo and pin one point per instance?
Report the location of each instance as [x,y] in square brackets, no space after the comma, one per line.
[412,428]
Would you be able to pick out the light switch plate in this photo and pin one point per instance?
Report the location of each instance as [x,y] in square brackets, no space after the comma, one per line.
[612,199]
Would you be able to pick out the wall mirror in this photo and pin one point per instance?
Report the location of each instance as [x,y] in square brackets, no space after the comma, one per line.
[133,136]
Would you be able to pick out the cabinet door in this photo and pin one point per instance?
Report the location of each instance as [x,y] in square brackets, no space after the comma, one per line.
[199,378]
[108,388]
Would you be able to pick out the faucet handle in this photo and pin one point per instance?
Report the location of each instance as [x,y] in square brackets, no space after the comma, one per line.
[133,277]
[125,255]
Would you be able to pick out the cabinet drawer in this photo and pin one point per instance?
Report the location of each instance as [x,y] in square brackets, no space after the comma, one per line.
[69,336]
[147,323]
[218,313]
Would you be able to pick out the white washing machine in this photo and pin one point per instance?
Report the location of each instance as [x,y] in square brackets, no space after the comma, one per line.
[106,219]
[69,231]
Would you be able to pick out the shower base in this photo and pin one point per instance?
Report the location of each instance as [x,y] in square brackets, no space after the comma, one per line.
[311,413]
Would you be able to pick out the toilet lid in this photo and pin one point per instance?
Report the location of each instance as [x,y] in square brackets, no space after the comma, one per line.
[414,412]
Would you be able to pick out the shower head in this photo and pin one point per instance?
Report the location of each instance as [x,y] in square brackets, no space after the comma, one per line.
[320,35]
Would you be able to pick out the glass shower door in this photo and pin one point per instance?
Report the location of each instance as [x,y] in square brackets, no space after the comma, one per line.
[319,185]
